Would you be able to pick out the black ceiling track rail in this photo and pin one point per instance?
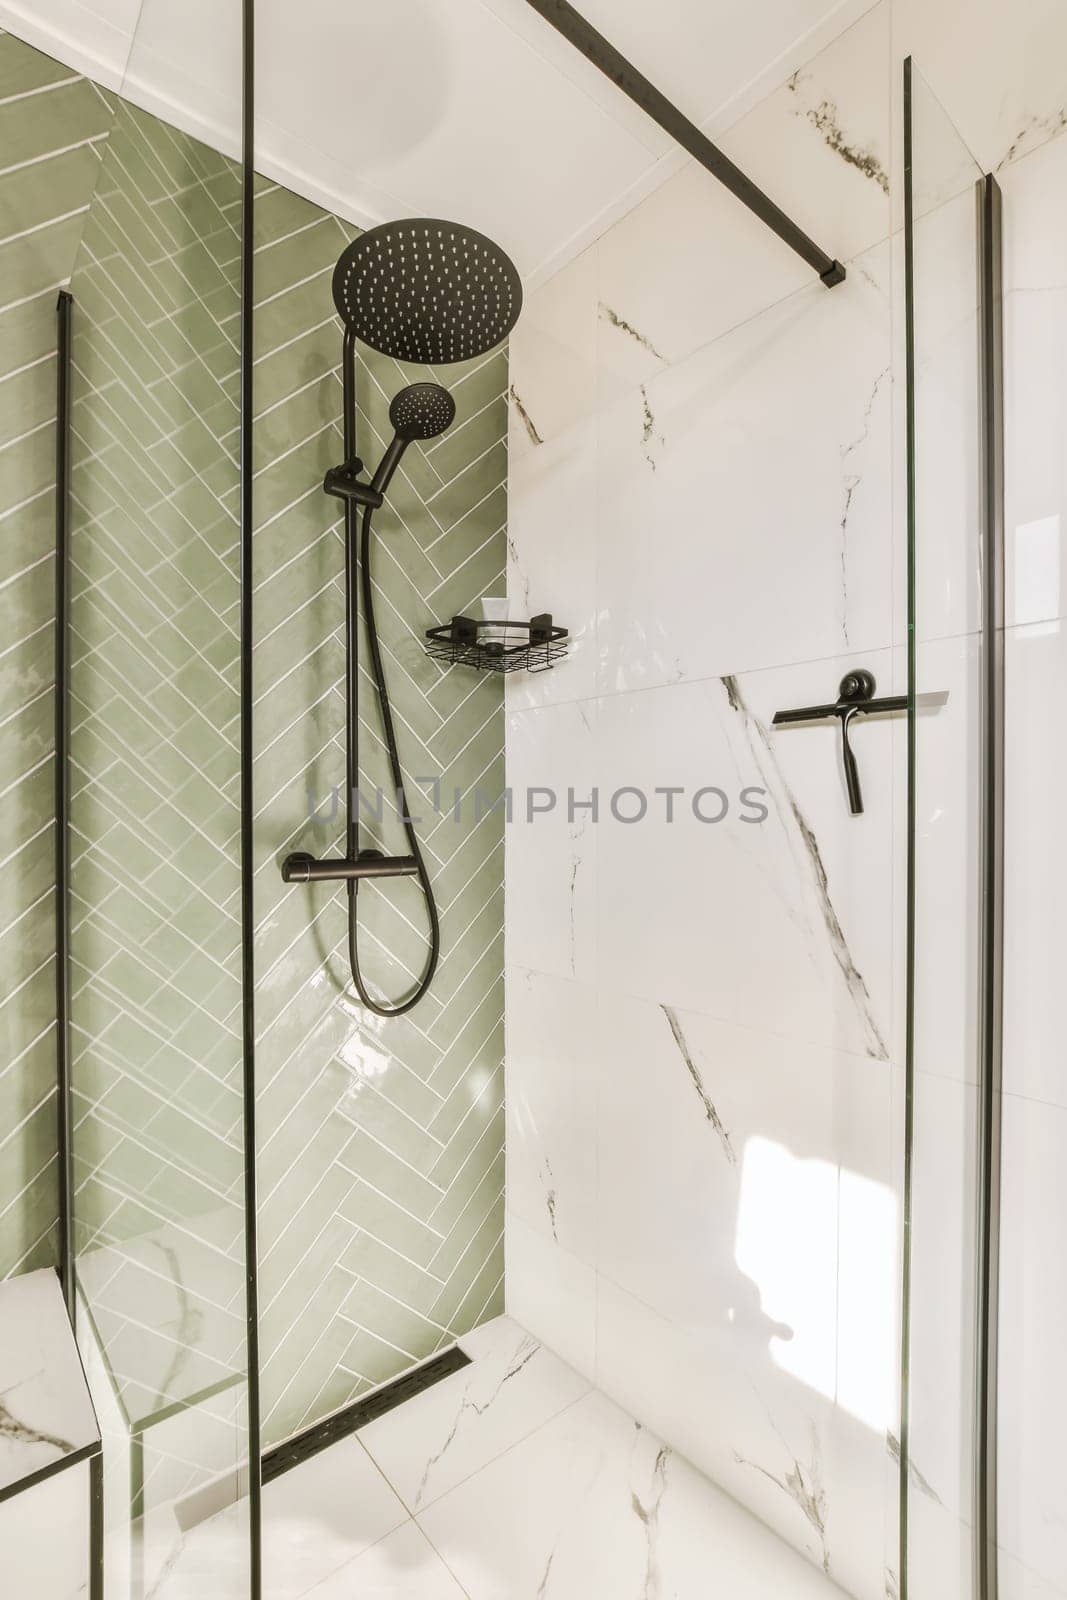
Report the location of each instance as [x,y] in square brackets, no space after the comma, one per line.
[580,33]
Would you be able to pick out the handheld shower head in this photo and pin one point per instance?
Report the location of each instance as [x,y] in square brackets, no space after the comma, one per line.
[421,411]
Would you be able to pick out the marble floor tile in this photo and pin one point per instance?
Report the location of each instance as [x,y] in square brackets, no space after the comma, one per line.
[317,1518]
[321,1514]
[592,1504]
[435,1441]
[402,1566]
[539,1486]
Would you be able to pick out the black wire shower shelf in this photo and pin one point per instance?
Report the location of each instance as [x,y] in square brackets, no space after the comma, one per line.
[492,646]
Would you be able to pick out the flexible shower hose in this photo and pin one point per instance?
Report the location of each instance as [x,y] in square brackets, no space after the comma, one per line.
[379,1008]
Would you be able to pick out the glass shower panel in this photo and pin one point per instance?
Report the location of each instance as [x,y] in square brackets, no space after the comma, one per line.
[156,933]
[945,617]
[380,1140]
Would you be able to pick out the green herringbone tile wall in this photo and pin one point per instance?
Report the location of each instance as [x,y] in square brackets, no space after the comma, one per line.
[155,750]
[53,124]
[381,1143]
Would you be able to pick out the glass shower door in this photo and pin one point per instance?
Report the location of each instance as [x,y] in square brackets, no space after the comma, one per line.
[155,810]
[945,616]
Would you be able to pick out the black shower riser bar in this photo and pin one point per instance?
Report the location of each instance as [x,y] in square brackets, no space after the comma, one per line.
[419,290]
[593,45]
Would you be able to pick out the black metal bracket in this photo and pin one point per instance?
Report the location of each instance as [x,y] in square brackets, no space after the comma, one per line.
[344,483]
[625,76]
[855,698]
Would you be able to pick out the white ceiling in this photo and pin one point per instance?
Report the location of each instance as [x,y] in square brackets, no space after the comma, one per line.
[470,109]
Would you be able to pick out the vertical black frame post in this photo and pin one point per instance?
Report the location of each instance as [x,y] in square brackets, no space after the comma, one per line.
[909,937]
[248,922]
[96,1526]
[64,1120]
[990,951]
[991,891]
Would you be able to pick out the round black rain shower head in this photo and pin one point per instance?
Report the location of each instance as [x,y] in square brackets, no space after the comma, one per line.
[422,411]
[427,291]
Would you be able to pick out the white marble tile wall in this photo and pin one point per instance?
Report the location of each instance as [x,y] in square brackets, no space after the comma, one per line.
[1033,1401]
[701,1023]
[703,478]
[1033,1392]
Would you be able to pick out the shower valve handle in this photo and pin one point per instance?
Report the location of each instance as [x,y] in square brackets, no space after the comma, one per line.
[303,868]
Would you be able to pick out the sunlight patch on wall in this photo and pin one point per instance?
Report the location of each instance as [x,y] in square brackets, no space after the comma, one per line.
[820,1243]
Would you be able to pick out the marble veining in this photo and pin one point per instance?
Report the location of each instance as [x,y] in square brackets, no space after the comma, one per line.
[647,1510]
[590,1504]
[524,417]
[15,1431]
[804,1486]
[188,1332]
[470,1405]
[1036,130]
[45,1410]
[196,1337]
[542,1587]
[763,753]
[698,1083]
[825,119]
[612,318]
[577,833]
[851,482]
[517,572]
[651,439]
[551,1196]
